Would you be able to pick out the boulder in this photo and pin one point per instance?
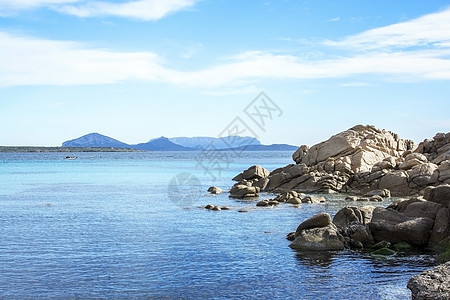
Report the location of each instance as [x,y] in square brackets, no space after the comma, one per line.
[441,229]
[423,175]
[351,215]
[444,171]
[318,239]
[346,216]
[241,190]
[254,172]
[425,209]
[215,190]
[392,226]
[412,160]
[440,194]
[396,182]
[433,284]
[316,221]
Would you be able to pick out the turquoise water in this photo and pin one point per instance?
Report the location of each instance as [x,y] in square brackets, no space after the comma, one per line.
[104,226]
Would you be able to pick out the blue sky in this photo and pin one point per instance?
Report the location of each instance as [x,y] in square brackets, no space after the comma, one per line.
[135,70]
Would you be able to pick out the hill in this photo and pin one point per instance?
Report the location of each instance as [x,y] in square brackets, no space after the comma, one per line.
[95,140]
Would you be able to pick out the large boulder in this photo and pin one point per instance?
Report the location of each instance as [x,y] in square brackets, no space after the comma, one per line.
[254,172]
[440,194]
[319,239]
[244,190]
[426,209]
[441,230]
[363,146]
[433,284]
[352,214]
[393,226]
[316,221]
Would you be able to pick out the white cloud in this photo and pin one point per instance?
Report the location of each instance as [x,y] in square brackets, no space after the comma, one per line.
[28,61]
[31,61]
[140,9]
[429,30]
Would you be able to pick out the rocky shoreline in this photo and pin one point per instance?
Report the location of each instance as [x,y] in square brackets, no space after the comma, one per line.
[369,164]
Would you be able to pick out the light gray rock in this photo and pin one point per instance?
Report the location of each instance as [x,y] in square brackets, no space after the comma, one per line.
[255,172]
[433,284]
[241,190]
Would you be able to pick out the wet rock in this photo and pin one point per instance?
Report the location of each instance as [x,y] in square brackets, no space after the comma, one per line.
[376,198]
[383,252]
[263,203]
[433,284]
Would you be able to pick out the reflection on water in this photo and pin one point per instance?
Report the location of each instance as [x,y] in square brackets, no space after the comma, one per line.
[318,258]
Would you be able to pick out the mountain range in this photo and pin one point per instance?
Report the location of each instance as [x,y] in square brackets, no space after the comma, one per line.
[179,143]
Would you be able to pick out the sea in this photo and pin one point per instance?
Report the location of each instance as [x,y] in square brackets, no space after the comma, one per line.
[132,225]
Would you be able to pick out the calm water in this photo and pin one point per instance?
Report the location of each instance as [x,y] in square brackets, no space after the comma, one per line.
[103,226]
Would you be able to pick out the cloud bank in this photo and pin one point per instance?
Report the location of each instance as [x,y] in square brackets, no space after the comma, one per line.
[415,50]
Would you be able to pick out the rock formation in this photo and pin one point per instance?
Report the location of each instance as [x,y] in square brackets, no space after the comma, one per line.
[358,161]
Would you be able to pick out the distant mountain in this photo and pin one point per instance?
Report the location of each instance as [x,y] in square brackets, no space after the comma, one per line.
[179,144]
[95,140]
[161,144]
[215,143]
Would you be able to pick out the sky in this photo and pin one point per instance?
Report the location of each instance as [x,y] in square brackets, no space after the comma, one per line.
[139,69]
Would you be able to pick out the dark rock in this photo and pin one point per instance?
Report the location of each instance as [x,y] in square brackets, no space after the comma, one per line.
[440,194]
[390,225]
[432,284]
[424,209]
[290,236]
[441,229]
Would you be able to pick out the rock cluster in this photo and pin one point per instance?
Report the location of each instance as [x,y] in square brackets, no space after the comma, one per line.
[417,222]
[357,161]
